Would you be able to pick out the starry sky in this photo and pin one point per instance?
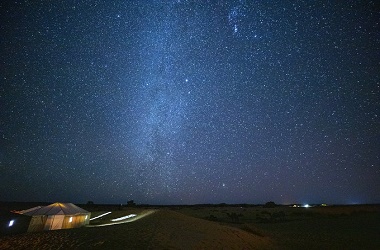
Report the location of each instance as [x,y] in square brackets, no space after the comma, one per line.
[186,102]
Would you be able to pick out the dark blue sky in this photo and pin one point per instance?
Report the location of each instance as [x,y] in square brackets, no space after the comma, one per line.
[183,102]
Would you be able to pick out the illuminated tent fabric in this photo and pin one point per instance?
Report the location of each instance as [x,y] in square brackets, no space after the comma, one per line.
[57,216]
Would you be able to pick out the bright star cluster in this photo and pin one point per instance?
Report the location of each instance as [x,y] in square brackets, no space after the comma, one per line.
[183,102]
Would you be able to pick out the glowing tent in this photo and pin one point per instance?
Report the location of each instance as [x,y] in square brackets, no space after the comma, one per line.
[57,216]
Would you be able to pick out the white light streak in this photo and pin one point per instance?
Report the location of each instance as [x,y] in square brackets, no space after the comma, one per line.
[100,216]
[124,217]
[142,215]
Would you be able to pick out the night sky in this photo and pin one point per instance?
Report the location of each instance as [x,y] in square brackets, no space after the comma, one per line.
[185,102]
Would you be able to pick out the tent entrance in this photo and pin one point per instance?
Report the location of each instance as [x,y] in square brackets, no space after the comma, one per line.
[54,222]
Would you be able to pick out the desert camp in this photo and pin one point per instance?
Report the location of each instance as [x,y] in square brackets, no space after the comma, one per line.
[56,216]
[207,227]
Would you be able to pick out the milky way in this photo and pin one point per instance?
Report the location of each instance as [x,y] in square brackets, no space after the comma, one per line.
[183,102]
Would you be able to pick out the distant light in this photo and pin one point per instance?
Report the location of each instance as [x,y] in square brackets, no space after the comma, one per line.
[11,223]
[306,205]
[71,219]
[124,217]
[86,217]
[100,216]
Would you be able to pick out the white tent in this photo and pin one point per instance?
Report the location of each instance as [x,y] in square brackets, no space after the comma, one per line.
[28,210]
[57,216]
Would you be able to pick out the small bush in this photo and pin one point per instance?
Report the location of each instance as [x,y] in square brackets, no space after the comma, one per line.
[270,204]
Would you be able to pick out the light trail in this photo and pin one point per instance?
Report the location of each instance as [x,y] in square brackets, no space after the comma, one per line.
[100,216]
[137,217]
[124,217]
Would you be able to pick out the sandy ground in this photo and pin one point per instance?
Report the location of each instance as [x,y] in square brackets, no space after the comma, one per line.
[163,229]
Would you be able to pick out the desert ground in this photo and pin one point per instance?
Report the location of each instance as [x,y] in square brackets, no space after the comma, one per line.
[215,227]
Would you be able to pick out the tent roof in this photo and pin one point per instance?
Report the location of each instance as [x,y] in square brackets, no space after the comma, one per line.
[58,208]
[9,214]
[28,210]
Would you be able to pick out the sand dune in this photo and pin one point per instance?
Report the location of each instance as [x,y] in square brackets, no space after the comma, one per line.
[161,230]
[179,231]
